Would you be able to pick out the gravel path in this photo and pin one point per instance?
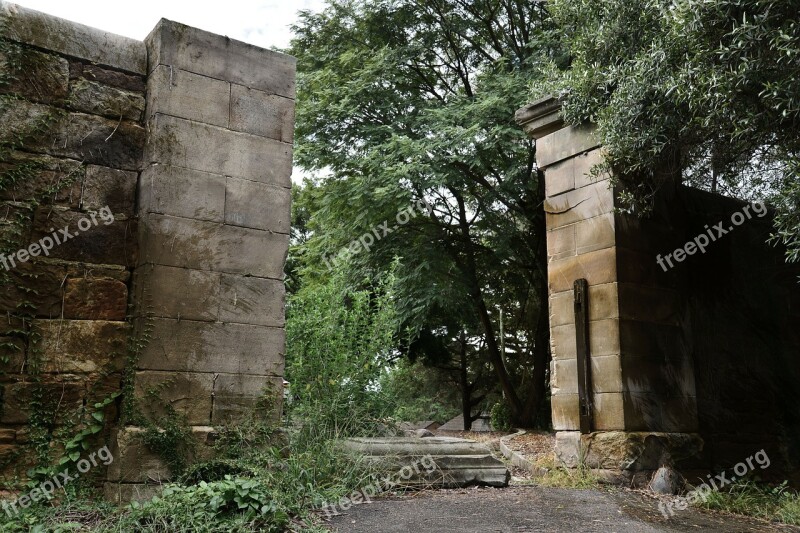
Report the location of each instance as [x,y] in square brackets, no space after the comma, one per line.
[526,509]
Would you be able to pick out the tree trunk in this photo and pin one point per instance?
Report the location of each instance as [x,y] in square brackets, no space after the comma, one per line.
[541,347]
[466,389]
[471,274]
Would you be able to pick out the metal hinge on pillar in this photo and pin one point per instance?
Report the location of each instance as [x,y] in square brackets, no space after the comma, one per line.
[581,287]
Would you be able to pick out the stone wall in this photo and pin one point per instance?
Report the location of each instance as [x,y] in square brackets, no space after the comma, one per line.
[690,366]
[186,140]
[71,128]
[214,223]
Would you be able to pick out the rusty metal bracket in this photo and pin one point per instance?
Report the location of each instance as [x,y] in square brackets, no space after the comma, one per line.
[581,287]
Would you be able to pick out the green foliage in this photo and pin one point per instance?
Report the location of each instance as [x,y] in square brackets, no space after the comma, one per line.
[210,507]
[704,89]
[419,392]
[754,499]
[93,423]
[339,341]
[500,417]
[401,102]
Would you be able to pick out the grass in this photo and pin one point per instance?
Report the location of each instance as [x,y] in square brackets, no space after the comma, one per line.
[558,475]
[750,498]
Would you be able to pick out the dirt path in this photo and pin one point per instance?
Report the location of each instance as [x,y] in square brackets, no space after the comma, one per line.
[526,509]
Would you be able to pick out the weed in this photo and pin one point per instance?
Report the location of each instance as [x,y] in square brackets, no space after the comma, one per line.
[751,498]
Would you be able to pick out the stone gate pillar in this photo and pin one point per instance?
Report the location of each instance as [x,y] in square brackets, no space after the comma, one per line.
[213,202]
[641,377]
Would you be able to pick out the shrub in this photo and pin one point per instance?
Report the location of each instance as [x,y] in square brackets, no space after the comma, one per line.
[501,417]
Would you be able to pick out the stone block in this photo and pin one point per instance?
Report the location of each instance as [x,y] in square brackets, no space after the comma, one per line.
[561,243]
[566,412]
[666,374]
[72,39]
[98,140]
[643,411]
[642,268]
[679,413]
[134,461]
[207,246]
[580,204]
[60,401]
[78,136]
[583,168]
[35,75]
[215,56]
[8,436]
[596,267]
[182,192]
[57,180]
[606,375]
[81,346]
[181,293]
[595,234]
[188,144]
[615,450]
[257,205]
[261,113]
[178,93]
[564,143]
[114,78]
[653,340]
[247,300]
[573,173]
[103,242]
[647,411]
[188,393]
[99,99]
[34,286]
[108,187]
[651,236]
[185,346]
[12,351]
[95,299]
[609,411]
[650,304]
[559,178]
[603,339]
[236,394]
[568,448]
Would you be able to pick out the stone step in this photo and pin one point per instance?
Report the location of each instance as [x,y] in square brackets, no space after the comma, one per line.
[440,462]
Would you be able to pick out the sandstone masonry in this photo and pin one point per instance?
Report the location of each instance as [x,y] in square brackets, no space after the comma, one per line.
[187,139]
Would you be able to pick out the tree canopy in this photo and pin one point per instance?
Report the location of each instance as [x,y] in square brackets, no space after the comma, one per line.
[406,101]
[707,88]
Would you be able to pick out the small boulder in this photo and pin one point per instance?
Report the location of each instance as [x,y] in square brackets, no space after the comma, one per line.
[667,480]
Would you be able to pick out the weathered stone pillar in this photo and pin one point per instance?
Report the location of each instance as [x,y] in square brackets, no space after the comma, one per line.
[214,199]
[642,382]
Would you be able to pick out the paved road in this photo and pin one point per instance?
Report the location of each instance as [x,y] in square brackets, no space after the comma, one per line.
[524,509]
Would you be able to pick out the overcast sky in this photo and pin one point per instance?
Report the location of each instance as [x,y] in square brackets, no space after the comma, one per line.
[263,23]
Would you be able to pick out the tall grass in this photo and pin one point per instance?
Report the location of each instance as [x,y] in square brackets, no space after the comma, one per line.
[754,499]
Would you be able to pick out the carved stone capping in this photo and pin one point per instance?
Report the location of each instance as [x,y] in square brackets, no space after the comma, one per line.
[541,117]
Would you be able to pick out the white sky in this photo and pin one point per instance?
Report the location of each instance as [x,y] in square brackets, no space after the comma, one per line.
[263,23]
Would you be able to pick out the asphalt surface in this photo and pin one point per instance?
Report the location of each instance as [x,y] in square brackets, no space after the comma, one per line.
[522,509]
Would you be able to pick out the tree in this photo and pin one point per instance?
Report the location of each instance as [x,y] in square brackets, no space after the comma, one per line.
[405,101]
[706,89]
